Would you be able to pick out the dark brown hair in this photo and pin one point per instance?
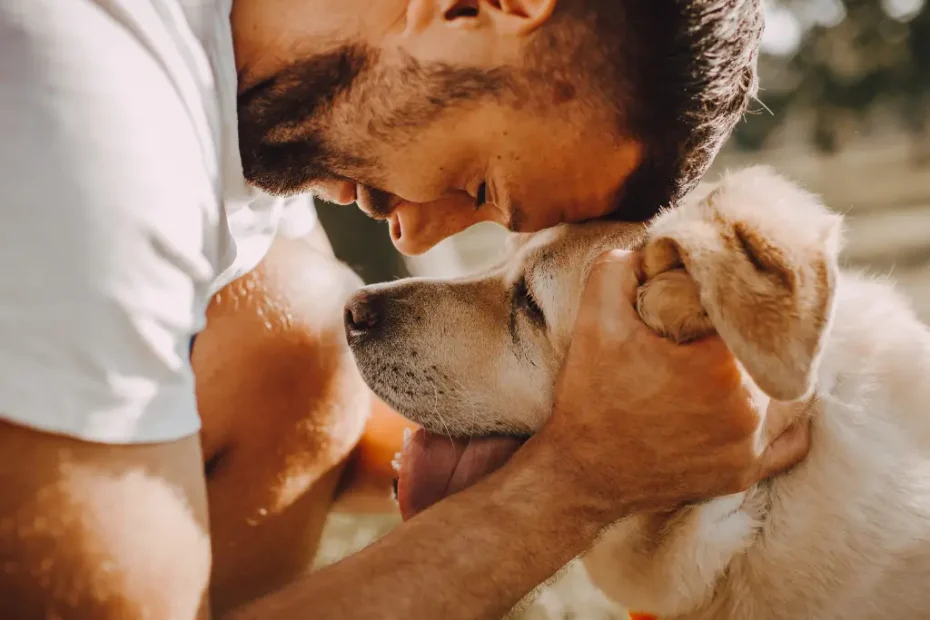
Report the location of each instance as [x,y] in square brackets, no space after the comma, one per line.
[680,74]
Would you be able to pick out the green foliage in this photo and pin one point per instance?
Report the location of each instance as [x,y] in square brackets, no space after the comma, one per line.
[362,243]
[842,75]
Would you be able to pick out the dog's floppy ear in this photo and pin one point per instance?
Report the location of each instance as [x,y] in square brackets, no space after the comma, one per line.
[763,257]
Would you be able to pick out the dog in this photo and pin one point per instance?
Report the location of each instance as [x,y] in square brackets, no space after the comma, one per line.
[754,258]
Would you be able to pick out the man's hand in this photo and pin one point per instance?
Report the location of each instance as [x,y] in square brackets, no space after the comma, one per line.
[655,424]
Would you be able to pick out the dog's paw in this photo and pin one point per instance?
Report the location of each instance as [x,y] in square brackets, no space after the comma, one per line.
[670,304]
[757,261]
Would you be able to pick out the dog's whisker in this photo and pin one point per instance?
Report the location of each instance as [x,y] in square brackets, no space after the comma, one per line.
[439,417]
[464,396]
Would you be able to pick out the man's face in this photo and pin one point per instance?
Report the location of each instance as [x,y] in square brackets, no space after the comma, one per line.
[425,112]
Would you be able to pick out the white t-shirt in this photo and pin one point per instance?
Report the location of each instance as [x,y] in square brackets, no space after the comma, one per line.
[123,209]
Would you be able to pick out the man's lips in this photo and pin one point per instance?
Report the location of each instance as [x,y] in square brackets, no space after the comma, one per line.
[416,227]
[432,467]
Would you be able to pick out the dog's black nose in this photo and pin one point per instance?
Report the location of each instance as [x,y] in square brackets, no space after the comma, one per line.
[364,312]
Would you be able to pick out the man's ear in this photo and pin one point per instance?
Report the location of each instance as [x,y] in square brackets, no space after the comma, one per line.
[763,255]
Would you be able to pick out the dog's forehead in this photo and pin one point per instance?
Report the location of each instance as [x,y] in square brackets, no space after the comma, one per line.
[517,242]
[562,249]
[532,249]
[524,244]
[570,239]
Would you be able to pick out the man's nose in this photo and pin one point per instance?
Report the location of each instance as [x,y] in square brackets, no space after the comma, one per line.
[417,227]
[365,314]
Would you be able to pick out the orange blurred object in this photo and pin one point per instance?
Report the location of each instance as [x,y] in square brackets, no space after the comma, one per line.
[366,484]
[382,439]
[635,616]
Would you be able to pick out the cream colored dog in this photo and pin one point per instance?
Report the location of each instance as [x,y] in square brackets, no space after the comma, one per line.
[845,535]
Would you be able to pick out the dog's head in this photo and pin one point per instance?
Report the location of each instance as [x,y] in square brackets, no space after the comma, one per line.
[480,355]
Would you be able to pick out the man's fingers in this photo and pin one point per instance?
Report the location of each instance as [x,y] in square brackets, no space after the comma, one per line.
[614,275]
[610,292]
[787,450]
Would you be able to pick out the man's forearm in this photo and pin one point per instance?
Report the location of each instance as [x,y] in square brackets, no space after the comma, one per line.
[473,555]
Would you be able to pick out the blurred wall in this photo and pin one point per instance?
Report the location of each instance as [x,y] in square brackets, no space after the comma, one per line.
[362,243]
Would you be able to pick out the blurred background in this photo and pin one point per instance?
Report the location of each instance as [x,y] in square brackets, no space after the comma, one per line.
[844,109]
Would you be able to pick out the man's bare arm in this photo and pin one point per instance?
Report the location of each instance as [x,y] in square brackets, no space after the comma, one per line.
[473,555]
[98,532]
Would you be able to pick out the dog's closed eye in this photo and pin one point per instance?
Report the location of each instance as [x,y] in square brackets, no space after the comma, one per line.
[524,300]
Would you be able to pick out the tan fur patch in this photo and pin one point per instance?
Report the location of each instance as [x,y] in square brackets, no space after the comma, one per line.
[763,276]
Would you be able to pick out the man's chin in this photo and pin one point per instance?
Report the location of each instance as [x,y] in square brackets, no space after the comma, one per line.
[281,168]
[433,467]
[276,183]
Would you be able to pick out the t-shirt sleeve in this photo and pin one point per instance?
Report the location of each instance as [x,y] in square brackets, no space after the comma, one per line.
[107,202]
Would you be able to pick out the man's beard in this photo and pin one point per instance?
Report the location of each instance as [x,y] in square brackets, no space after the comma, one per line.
[282,146]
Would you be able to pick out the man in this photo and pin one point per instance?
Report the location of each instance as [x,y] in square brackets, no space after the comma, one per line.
[122,176]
